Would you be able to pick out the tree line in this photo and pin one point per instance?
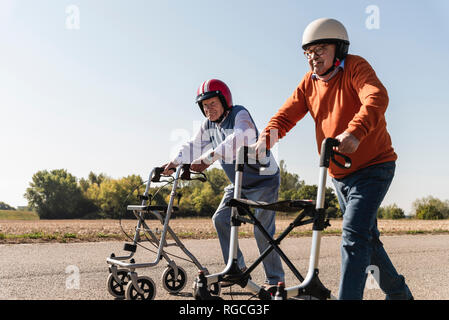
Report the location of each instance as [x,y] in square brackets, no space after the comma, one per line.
[57,194]
[5,206]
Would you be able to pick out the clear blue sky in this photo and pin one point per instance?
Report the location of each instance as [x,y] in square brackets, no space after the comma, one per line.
[116,96]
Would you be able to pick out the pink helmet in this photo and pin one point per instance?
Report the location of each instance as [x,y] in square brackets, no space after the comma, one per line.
[214,88]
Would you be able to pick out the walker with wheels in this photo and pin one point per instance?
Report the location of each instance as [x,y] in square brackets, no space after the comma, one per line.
[123,280]
[310,212]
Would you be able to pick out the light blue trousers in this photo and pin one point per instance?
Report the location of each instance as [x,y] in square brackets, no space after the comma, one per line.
[222,222]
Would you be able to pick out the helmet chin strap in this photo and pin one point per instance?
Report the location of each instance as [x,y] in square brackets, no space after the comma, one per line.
[335,65]
[220,119]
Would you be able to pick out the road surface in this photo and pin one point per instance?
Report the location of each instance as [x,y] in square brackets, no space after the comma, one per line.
[58,271]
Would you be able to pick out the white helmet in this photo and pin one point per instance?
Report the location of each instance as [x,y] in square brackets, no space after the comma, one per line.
[326,30]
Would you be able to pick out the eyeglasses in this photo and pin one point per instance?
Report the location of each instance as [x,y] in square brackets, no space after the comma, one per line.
[319,51]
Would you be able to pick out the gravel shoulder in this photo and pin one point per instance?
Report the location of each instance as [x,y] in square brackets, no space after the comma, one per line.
[69,231]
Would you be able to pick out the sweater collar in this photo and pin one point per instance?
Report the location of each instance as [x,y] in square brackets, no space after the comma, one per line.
[342,66]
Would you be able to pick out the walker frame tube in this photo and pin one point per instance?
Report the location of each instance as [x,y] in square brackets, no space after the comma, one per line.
[327,154]
[231,266]
[311,285]
[231,271]
[139,211]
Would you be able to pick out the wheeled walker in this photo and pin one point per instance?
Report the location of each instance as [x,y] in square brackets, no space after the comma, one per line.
[311,212]
[123,280]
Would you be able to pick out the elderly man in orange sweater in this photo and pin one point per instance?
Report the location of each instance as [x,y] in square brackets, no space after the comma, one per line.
[348,102]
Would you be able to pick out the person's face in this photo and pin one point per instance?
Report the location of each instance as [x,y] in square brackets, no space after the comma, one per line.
[213,108]
[320,57]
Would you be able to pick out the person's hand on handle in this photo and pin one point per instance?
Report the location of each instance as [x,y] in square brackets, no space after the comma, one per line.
[260,148]
[169,168]
[199,165]
[348,143]
[203,162]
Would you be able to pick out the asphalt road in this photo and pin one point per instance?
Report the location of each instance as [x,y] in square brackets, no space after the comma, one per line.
[79,270]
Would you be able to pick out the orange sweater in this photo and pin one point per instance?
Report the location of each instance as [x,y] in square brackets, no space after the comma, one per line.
[354,100]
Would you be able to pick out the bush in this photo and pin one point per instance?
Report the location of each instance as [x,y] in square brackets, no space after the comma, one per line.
[112,196]
[56,195]
[292,188]
[390,212]
[431,208]
[202,198]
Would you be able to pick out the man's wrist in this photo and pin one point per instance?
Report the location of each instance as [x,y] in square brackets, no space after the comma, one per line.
[209,158]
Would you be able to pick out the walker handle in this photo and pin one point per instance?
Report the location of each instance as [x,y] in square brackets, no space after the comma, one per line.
[158,173]
[186,174]
[348,161]
[328,153]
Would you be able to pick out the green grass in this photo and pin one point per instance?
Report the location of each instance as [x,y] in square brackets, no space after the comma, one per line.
[18,215]
[31,235]
[34,235]
[56,236]
[69,236]
[102,235]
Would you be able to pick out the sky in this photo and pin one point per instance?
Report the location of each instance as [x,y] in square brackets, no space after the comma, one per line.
[109,85]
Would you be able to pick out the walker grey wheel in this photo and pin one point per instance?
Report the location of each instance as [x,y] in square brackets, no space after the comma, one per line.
[117,289]
[172,284]
[145,284]
[212,292]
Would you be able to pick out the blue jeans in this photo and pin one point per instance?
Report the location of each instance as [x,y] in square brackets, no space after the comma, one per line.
[222,222]
[360,195]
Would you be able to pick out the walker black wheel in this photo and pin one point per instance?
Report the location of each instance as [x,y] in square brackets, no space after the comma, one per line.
[117,289]
[171,283]
[145,284]
[215,288]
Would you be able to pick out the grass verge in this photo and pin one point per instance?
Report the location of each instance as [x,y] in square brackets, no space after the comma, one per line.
[43,237]
[18,215]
